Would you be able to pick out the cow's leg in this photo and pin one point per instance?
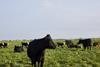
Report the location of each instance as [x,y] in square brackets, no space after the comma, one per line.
[33,63]
[84,47]
[90,47]
[42,62]
[38,63]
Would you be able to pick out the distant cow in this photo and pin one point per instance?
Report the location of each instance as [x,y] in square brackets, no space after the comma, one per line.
[18,49]
[60,44]
[5,45]
[25,44]
[36,50]
[1,45]
[86,43]
[70,44]
[96,44]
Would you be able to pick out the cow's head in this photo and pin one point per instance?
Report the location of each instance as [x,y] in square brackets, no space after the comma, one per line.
[80,41]
[49,42]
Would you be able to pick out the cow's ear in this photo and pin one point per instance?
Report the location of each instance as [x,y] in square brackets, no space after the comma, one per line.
[48,36]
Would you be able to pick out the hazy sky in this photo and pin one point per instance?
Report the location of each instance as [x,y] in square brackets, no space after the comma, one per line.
[29,19]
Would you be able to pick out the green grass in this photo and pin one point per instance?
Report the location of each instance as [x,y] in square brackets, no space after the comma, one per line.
[59,57]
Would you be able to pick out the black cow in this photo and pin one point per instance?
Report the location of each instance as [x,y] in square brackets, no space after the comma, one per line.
[86,43]
[5,45]
[95,43]
[18,49]
[70,44]
[1,45]
[25,44]
[60,44]
[36,50]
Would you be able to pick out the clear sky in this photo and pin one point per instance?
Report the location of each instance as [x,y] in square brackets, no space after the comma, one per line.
[29,19]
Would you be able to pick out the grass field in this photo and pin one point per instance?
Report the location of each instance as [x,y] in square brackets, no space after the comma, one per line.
[59,57]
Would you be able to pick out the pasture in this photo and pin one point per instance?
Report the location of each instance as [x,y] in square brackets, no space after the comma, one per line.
[59,57]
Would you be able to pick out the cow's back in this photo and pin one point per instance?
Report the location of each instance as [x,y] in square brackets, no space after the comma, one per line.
[87,42]
[33,48]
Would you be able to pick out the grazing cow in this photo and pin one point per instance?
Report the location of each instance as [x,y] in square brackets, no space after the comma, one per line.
[5,45]
[25,44]
[18,49]
[60,44]
[86,43]
[36,50]
[1,45]
[71,45]
[96,44]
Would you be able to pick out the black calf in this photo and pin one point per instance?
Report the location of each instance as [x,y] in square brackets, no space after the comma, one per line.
[18,49]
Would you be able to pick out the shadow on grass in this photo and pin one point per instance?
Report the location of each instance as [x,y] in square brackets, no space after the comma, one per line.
[4,65]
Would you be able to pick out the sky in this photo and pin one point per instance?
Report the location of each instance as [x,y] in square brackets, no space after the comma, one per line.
[64,19]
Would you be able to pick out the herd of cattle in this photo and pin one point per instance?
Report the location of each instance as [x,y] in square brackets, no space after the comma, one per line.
[36,48]
[86,43]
